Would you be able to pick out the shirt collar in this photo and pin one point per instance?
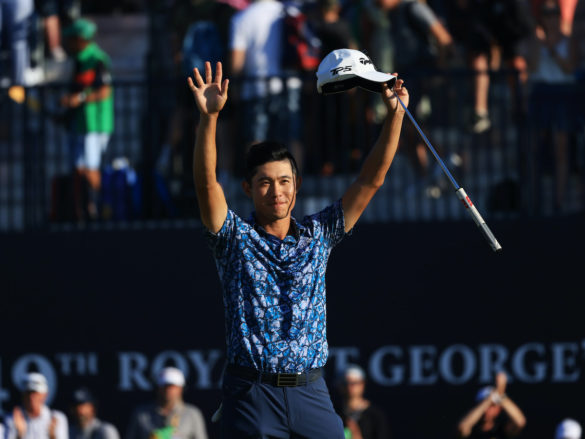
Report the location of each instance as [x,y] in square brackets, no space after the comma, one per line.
[297,228]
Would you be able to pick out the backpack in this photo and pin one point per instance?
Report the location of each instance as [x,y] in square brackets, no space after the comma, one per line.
[202,43]
[301,48]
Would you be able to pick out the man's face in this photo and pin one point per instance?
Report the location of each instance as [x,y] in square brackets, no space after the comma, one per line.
[84,413]
[170,393]
[273,190]
[33,401]
[492,412]
[354,387]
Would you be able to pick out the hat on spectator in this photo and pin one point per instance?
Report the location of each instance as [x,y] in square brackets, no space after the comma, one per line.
[354,371]
[568,429]
[81,28]
[171,376]
[82,396]
[34,382]
[344,69]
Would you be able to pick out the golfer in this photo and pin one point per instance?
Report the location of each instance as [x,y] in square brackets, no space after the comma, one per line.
[272,271]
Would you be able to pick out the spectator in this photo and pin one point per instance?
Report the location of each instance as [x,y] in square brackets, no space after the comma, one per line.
[256,49]
[495,416]
[91,105]
[362,418]
[85,423]
[34,420]
[56,15]
[488,28]
[568,429]
[167,417]
[553,103]
[15,24]
[334,33]
[421,43]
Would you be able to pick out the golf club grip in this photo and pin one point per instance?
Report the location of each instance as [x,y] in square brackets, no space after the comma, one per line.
[485,230]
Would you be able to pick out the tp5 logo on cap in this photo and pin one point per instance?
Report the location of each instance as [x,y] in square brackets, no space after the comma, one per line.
[343,69]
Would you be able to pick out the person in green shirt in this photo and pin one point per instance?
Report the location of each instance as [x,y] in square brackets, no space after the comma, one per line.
[91,106]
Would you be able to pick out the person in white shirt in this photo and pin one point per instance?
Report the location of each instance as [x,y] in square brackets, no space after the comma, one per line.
[34,420]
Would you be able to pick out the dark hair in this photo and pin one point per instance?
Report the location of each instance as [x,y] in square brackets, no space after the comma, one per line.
[264,152]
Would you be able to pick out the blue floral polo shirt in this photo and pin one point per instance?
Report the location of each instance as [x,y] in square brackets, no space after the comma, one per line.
[274,290]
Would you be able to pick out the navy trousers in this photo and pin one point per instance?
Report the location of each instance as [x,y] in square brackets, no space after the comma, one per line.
[254,410]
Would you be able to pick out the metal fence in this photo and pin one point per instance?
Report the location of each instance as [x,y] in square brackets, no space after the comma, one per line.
[511,170]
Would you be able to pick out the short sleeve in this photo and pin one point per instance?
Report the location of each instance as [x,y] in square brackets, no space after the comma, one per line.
[330,222]
[237,35]
[220,242]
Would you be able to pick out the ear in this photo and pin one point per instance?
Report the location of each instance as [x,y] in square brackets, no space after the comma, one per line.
[299,181]
[247,188]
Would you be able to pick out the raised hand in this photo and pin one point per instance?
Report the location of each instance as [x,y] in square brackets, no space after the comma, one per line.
[501,381]
[389,96]
[19,422]
[211,95]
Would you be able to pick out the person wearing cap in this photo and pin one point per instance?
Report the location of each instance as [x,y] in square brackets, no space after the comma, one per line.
[495,416]
[34,419]
[362,419]
[91,112]
[568,429]
[272,267]
[85,424]
[168,416]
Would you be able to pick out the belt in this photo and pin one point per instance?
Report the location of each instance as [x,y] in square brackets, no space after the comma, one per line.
[275,379]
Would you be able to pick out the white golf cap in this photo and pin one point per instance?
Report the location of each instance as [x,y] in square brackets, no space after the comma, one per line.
[343,69]
[568,429]
[170,376]
[34,382]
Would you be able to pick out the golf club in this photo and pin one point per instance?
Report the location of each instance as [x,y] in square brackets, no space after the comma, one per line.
[459,191]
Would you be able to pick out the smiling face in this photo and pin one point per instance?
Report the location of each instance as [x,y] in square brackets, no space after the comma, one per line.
[273,191]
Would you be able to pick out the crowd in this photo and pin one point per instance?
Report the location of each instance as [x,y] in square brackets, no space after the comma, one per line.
[537,44]
[271,49]
[494,415]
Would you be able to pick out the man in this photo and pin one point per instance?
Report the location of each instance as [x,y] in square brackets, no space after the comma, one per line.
[362,418]
[272,270]
[86,425]
[91,105]
[495,416]
[34,420]
[168,417]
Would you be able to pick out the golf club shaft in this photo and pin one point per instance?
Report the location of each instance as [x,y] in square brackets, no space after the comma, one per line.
[441,163]
[461,194]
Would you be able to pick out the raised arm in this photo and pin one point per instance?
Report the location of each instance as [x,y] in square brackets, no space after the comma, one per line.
[378,161]
[210,97]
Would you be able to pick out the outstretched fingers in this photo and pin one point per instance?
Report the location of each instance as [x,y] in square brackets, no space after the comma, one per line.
[198,78]
[218,72]
[224,87]
[207,72]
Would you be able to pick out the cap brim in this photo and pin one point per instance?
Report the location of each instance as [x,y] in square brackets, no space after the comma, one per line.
[373,81]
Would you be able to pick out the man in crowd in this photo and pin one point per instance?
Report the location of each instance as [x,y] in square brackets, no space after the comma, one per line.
[34,419]
[169,416]
[91,107]
[85,424]
[495,416]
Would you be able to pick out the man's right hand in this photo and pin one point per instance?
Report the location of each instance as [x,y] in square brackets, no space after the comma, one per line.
[19,422]
[211,95]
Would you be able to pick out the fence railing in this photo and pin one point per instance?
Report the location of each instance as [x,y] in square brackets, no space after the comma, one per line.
[513,169]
